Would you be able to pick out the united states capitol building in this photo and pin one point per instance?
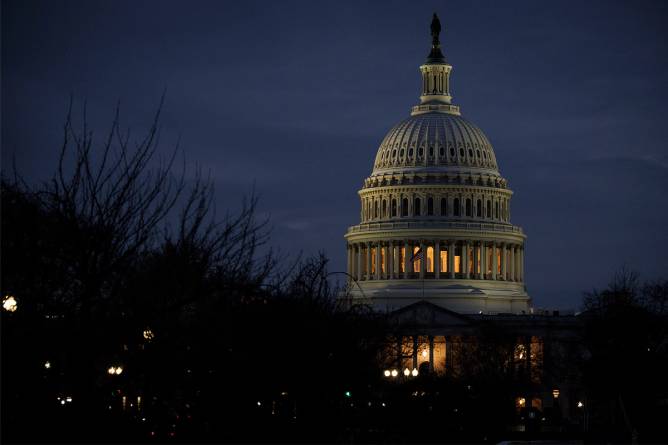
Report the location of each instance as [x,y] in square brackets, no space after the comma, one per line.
[435,213]
[435,249]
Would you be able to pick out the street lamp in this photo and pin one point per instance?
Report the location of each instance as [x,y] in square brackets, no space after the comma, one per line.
[407,372]
[9,303]
[387,373]
[115,370]
[395,373]
[415,372]
[148,334]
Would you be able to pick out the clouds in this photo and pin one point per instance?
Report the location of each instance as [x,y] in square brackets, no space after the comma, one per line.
[295,97]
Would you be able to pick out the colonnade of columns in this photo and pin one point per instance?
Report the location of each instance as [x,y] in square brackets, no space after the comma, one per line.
[436,259]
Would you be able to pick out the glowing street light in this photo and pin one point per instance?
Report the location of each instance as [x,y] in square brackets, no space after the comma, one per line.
[415,372]
[148,334]
[115,370]
[407,372]
[395,373]
[10,304]
[387,373]
[47,364]
[580,404]
[555,393]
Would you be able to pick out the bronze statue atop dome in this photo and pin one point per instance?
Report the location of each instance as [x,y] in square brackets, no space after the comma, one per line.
[435,56]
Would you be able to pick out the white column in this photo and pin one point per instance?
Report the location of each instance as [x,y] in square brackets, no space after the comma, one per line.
[368,260]
[522,264]
[390,259]
[483,260]
[511,263]
[407,259]
[378,265]
[451,259]
[465,259]
[359,262]
[495,261]
[423,261]
[474,272]
[437,260]
[504,261]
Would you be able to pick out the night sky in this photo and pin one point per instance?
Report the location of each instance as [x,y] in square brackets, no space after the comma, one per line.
[295,97]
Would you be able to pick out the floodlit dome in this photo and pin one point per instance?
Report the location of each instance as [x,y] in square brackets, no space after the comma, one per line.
[435,213]
[435,141]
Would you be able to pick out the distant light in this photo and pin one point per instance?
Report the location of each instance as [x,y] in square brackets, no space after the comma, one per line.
[395,373]
[387,373]
[415,372]
[407,372]
[47,364]
[115,370]
[10,304]
[148,334]
[68,399]
[348,394]
[424,353]
[555,393]
[580,404]
[259,403]
[383,404]
[62,402]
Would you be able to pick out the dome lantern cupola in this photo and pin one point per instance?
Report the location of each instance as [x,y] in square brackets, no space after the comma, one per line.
[436,71]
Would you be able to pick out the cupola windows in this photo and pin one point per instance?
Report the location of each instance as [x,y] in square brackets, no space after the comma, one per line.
[404,207]
[430,206]
[456,210]
[417,211]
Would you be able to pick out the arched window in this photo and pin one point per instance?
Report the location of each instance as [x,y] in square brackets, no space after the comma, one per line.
[489,209]
[430,206]
[496,210]
[456,210]
[384,214]
[478,212]
[468,207]
[404,207]
[375,209]
[417,211]
[444,206]
[394,207]
[429,266]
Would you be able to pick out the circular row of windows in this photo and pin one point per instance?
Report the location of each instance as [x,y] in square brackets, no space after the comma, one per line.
[480,208]
[388,153]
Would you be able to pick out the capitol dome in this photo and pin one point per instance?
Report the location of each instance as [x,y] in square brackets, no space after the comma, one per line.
[437,141]
[435,213]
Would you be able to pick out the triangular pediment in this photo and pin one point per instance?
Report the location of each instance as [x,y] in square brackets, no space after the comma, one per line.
[424,313]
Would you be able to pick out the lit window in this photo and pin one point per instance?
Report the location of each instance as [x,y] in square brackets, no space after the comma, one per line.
[444,260]
[430,259]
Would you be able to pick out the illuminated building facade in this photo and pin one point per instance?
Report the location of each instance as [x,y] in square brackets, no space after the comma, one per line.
[435,213]
[436,250]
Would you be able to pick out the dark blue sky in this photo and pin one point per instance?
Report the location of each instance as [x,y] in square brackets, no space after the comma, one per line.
[296,97]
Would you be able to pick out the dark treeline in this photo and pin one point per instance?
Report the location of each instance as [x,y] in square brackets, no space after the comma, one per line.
[142,317]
